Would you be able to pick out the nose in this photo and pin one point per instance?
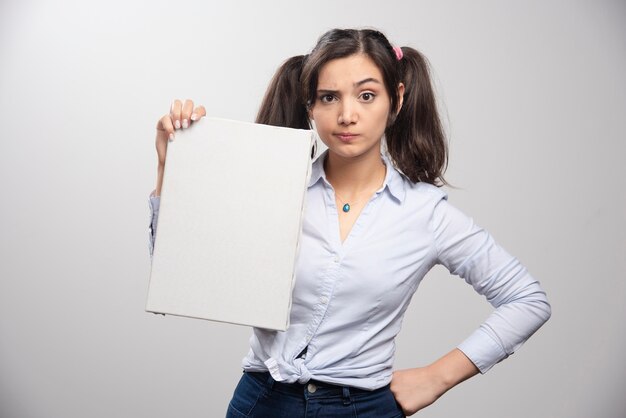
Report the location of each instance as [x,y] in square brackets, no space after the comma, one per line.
[347,114]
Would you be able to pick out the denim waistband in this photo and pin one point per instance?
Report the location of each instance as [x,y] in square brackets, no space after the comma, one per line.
[313,388]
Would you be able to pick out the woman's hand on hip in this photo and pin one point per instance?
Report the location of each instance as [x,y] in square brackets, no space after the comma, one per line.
[415,389]
[181,116]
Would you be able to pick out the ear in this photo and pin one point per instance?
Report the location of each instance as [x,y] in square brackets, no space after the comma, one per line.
[309,112]
[400,97]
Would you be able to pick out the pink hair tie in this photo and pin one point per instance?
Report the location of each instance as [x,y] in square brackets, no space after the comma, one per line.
[398,52]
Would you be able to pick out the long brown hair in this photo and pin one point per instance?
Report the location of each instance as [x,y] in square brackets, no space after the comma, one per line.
[415,139]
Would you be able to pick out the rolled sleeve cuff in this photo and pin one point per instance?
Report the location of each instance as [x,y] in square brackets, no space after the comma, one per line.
[154,203]
[482,350]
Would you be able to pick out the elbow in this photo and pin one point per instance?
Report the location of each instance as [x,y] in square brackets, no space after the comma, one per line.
[547,310]
[540,308]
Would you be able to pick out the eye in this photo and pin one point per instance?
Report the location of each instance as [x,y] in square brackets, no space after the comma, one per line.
[327,98]
[367,96]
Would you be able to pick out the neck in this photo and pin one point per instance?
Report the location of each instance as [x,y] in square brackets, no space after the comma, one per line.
[353,176]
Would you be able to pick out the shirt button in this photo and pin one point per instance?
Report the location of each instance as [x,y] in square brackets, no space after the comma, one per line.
[311,388]
[336,259]
[323,300]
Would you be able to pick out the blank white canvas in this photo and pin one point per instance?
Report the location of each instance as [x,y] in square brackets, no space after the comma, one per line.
[229,223]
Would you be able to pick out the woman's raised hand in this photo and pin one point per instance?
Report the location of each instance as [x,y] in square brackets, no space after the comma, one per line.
[181,116]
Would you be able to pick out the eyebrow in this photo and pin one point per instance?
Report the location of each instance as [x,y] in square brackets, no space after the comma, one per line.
[357,84]
[367,80]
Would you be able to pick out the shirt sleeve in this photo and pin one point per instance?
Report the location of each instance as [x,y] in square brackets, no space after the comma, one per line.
[521,305]
[154,203]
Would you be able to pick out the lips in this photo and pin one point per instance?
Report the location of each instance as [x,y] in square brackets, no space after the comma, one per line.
[346,136]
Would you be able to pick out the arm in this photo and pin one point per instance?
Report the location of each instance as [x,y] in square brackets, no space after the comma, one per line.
[520,306]
[415,389]
[181,116]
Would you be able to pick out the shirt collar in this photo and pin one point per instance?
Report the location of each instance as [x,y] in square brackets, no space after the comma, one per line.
[394,180]
[317,169]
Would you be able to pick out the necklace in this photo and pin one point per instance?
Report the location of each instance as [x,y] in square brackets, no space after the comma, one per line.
[346,206]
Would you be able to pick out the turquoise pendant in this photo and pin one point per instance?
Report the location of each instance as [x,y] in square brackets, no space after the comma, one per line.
[346,208]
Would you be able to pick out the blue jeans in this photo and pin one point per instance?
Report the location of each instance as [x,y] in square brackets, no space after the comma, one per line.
[258,396]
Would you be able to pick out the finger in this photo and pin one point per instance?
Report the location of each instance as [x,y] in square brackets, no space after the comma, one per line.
[166,124]
[186,113]
[198,112]
[165,128]
[175,112]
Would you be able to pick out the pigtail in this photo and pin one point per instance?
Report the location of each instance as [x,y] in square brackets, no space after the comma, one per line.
[415,139]
[283,104]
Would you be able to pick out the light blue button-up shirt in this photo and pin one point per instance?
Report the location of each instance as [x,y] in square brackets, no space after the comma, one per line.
[349,298]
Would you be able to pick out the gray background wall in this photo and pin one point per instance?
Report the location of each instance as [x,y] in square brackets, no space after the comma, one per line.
[534,98]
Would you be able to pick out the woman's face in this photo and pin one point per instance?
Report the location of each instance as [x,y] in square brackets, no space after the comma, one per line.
[351,106]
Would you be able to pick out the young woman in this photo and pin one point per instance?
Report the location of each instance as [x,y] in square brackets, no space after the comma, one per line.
[376,222]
